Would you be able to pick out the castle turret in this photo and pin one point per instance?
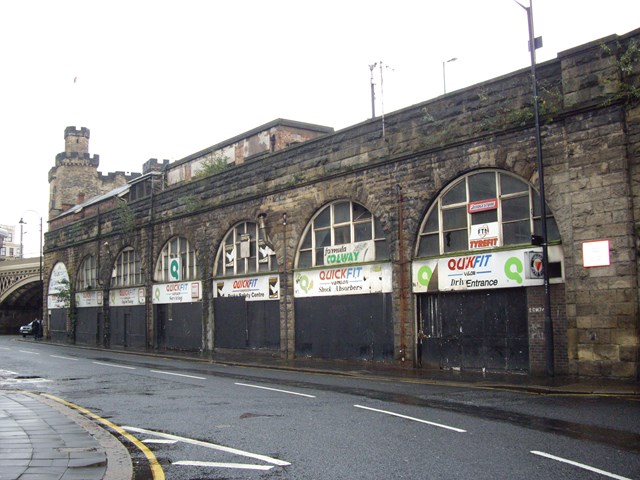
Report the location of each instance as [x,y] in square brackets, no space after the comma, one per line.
[75,177]
[76,140]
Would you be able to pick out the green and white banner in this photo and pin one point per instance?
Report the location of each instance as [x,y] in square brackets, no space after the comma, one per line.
[352,280]
[515,268]
[180,292]
[125,297]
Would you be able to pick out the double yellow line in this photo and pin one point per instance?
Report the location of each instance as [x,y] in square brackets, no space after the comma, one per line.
[156,468]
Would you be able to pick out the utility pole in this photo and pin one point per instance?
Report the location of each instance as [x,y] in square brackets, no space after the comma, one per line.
[373,92]
[548,321]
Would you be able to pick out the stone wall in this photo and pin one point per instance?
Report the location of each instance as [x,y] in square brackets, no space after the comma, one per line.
[590,145]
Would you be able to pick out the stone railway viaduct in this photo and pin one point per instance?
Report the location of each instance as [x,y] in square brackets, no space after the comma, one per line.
[411,194]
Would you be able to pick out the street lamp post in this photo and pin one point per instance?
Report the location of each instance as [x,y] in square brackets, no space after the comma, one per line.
[548,321]
[22,222]
[444,75]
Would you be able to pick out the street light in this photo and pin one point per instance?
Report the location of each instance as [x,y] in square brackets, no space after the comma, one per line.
[548,321]
[22,222]
[444,76]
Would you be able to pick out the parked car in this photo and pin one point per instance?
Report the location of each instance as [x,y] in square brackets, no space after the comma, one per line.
[27,329]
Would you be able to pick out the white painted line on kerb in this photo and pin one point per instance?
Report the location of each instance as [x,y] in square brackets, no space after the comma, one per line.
[178,374]
[276,390]
[114,365]
[28,351]
[459,430]
[245,466]
[64,358]
[213,446]
[579,465]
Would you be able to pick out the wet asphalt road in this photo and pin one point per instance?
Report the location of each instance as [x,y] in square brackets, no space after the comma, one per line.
[210,421]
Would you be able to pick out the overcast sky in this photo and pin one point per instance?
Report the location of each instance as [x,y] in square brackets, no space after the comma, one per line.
[160,79]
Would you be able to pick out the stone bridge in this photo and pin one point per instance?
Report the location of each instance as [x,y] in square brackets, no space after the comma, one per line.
[21,293]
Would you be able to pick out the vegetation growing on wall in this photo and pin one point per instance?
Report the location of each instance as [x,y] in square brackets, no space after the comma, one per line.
[192,203]
[64,292]
[627,61]
[126,217]
[211,166]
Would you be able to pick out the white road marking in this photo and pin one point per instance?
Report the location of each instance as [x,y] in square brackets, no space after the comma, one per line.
[159,440]
[246,466]
[8,372]
[579,465]
[459,430]
[276,390]
[114,365]
[64,358]
[178,374]
[29,351]
[5,348]
[213,446]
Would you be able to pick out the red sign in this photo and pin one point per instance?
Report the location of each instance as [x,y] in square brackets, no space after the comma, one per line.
[482,205]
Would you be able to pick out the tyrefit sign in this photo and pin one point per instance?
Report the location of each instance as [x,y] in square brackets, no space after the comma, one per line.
[351,280]
[516,268]
[180,292]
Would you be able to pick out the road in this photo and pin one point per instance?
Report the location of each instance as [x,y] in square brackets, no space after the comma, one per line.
[211,421]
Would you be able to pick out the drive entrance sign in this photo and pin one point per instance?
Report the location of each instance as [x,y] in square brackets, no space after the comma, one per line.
[515,268]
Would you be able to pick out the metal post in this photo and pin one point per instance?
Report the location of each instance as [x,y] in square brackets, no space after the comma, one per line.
[444,76]
[284,278]
[548,321]
[373,92]
[21,222]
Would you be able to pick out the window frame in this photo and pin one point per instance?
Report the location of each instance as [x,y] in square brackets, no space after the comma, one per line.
[309,255]
[176,247]
[440,208]
[244,265]
[87,278]
[127,269]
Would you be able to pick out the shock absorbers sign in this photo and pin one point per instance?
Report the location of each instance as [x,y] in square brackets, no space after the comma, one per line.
[516,268]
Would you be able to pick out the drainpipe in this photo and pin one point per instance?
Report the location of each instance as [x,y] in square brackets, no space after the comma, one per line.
[284,281]
[401,262]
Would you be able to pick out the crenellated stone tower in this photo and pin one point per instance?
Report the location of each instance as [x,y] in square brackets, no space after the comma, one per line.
[75,177]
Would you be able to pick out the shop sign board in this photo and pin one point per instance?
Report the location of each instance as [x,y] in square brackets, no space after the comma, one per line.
[178,292]
[351,280]
[257,288]
[358,252]
[58,281]
[126,297]
[90,298]
[483,236]
[505,269]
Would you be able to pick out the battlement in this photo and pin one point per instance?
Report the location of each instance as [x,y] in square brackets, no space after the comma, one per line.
[76,140]
[113,176]
[75,132]
[152,165]
[77,158]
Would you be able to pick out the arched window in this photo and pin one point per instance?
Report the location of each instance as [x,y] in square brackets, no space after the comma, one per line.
[340,223]
[245,250]
[490,200]
[127,269]
[87,274]
[177,262]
